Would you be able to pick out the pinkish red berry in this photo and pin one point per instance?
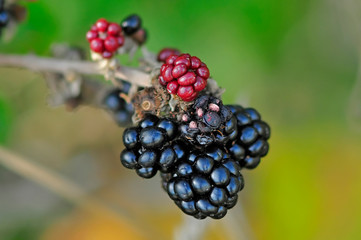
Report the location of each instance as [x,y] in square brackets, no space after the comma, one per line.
[162,81]
[195,62]
[185,92]
[191,97]
[187,79]
[97,45]
[102,25]
[167,74]
[203,72]
[170,60]
[90,35]
[183,59]
[166,52]
[188,76]
[179,70]
[200,84]
[114,29]
[162,68]
[105,38]
[111,44]
[172,87]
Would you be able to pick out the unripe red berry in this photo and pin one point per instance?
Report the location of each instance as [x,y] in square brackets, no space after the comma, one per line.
[114,29]
[187,79]
[97,45]
[183,59]
[185,92]
[203,72]
[111,44]
[167,75]
[170,60]
[188,76]
[179,70]
[102,25]
[162,68]
[166,52]
[191,97]
[162,81]
[200,84]
[195,62]
[105,38]
[90,35]
[172,87]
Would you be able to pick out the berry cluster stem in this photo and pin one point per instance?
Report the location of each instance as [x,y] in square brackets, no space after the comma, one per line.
[44,64]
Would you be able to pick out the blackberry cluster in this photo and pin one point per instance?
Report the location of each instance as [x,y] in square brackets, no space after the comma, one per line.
[200,157]
[119,108]
[105,38]
[251,141]
[184,75]
[152,146]
[209,122]
[205,184]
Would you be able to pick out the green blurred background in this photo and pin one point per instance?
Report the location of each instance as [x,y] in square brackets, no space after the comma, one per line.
[295,61]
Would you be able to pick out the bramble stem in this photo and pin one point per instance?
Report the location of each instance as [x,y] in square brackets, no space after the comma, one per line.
[45,64]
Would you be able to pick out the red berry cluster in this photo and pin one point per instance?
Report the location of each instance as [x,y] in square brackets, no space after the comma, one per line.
[105,38]
[166,52]
[184,75]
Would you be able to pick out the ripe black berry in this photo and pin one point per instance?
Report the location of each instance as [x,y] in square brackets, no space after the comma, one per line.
[167,159]
[251,140]
[146,172]
[152,146]
[129,159]
[205,183]
[152,137]
[121,110]
[131,24]
[168,126]
[4,18]
[148,121]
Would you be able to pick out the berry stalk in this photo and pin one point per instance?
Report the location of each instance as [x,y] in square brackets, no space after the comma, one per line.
[44,64]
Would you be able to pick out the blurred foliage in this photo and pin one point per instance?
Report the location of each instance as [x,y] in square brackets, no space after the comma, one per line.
[295,61]
[5,119]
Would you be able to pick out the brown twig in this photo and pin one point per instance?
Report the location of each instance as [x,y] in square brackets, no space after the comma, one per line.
[44,64]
